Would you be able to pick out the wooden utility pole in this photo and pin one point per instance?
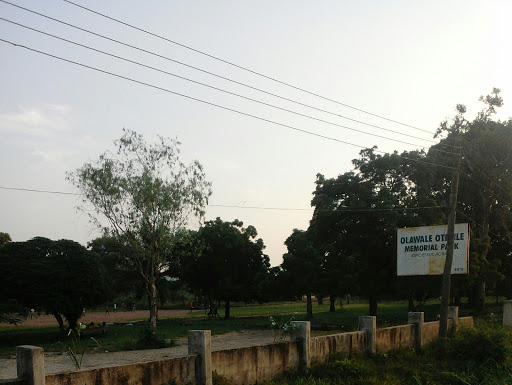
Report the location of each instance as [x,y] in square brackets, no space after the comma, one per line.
[447,273]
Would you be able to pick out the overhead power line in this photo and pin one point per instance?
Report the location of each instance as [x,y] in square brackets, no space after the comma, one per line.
[220,89]
[206,102]
[207,72]
[236,206]
[239,66]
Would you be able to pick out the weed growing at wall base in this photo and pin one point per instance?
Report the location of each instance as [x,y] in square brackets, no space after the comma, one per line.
[282,328]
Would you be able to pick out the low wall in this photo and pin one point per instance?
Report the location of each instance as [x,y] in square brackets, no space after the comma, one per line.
[323,346]
[248,365]
[181,370]
[256,363]
[395,337]
[431,331]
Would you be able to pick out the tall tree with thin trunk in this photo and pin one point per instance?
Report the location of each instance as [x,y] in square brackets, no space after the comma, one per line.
[302,266]
[143,195]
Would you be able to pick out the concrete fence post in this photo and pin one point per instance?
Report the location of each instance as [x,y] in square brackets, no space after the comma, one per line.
[368,324]
[30,364]
[507,313]
[453,314]
[303,334]
[200,342]
[417,319]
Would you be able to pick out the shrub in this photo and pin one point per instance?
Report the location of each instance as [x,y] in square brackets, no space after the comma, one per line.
[480,345]
[149,340]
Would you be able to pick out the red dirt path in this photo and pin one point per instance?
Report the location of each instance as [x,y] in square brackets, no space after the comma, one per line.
[100,317]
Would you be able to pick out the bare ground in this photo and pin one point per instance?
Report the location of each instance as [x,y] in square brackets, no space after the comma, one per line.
[100,317]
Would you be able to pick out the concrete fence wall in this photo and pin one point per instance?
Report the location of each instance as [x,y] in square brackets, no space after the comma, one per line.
[256,363]
[239,366]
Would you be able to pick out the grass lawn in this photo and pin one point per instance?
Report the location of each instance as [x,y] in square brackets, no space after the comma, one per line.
[253,316]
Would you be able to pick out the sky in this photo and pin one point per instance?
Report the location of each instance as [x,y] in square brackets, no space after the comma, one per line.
[408,61]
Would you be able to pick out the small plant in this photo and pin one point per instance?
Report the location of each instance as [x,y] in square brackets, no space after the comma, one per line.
[74,350]
[217,379]
[282,328]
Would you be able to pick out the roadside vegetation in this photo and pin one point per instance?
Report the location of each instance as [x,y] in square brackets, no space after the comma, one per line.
[479,356]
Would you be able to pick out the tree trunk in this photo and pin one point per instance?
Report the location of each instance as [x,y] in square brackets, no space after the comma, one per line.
[332,300]
[227,310]
[309,307]
[411,306]
[372,299]
[72,320]
[153,307]
[60,321]
[320,300]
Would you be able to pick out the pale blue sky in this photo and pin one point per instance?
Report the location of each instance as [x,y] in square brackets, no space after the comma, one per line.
[407,60]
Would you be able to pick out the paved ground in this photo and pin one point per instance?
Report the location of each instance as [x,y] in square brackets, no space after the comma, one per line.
[55,363]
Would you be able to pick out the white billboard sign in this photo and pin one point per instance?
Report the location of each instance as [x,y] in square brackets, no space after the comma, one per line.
[422,250]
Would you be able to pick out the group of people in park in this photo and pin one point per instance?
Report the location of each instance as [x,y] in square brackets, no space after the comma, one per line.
[212,309]
[124,307]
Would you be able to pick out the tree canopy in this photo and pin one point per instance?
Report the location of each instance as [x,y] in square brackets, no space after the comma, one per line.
[356,216]
[61,277]
[4,238]
[302,266]
[230,263]
[485,191]
[143,195]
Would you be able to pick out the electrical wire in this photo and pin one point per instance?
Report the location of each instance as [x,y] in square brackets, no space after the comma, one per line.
[238,66]
[205,102]
[220,89]
[208,72]
[237,206]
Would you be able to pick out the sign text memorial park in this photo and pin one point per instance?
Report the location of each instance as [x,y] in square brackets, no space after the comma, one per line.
[422,250]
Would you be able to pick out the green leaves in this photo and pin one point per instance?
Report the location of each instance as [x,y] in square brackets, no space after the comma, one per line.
[143,195]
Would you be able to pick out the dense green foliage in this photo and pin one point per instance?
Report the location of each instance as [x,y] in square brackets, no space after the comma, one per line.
[229,263]
[59,277]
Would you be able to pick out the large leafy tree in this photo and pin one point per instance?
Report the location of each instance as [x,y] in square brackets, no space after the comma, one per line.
[143,195]
[229,263]
[61,277]
[485,189]
[357,214]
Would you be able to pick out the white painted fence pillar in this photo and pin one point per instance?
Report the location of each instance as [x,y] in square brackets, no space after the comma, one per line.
[453,314]
[200,342]
[417,319]
[30,364]
[368,324]
[303,334]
